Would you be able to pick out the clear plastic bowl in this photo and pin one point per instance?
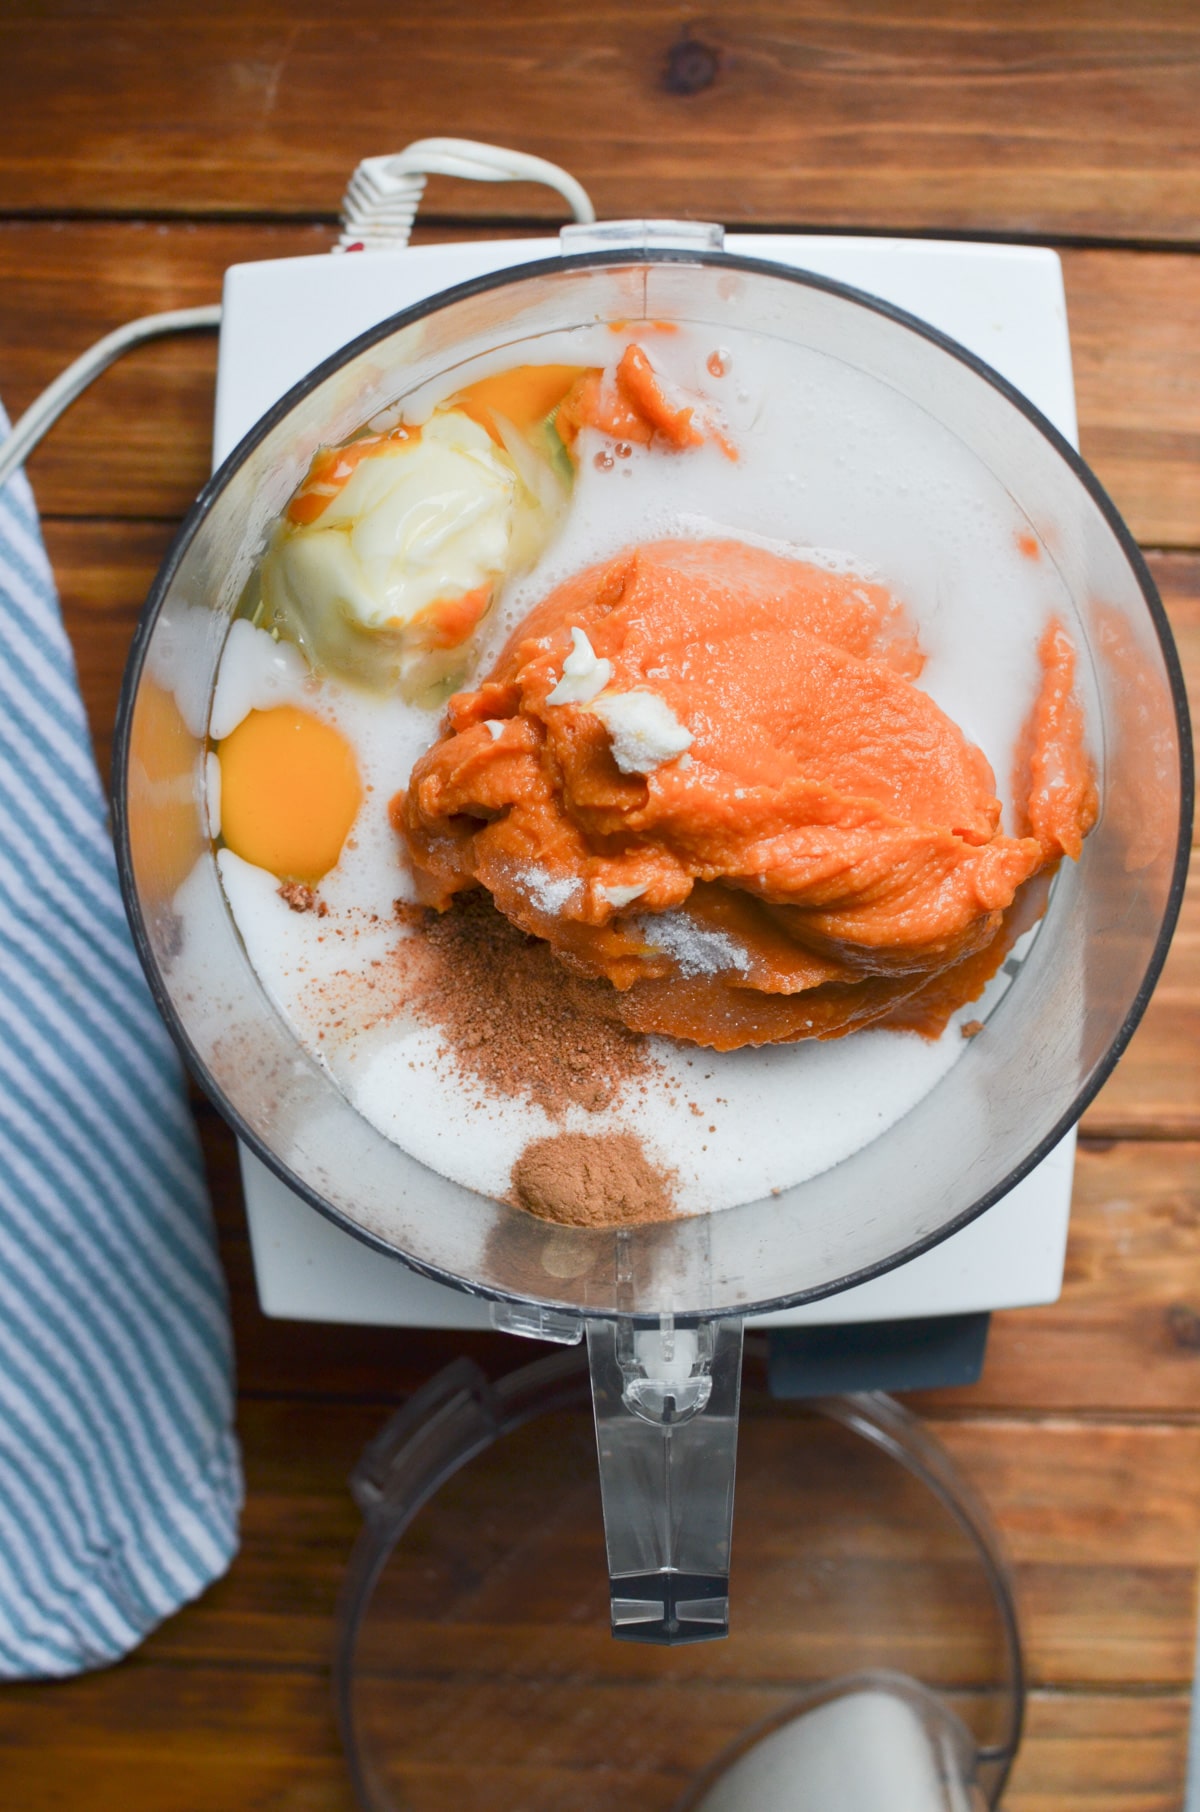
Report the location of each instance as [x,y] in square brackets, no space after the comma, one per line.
[1011,1095]
[663,1303]
[473,1665]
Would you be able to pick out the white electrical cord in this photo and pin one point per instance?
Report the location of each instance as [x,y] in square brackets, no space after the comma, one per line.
[377,215]
[42,414]
[385,192]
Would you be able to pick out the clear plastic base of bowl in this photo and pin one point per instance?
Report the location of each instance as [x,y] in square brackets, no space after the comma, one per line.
[476,1671]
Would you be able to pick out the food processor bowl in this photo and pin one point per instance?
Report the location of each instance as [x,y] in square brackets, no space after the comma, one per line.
[663,1303]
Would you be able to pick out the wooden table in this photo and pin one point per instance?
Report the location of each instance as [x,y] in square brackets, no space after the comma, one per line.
[144,148]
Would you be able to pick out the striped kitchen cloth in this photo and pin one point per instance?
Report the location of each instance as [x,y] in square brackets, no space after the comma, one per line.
[120,1479]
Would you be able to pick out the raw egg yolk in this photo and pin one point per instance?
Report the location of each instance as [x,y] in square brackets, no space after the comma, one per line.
[289,792]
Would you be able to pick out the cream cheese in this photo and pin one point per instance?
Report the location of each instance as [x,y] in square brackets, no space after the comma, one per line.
[643,730]
[584,674]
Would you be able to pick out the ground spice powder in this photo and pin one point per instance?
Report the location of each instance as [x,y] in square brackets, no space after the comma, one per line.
[515,1018]
[521,1025]
[591,1180]
[524,1026]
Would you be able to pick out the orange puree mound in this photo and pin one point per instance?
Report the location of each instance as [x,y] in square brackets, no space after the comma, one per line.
[826,853]
[632,405]
[1054,775]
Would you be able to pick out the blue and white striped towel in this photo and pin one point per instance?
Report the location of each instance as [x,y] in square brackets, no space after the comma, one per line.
[120,1479]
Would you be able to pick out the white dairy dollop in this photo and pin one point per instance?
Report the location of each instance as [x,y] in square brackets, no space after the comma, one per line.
[622,896]
[256,674]
[643,730]
[584,674]
[429,518]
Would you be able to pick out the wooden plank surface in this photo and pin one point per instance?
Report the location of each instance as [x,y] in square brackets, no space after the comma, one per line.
[1105,1572]
[138,444]
[1154,1092]
[228,1740]
[145,149]
[234,1692]
[1125,1335]
[1093,1752]
[1051,119]
[1135,346]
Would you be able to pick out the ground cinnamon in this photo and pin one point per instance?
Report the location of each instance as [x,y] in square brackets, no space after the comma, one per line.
[302,898]
[592,1180]
[524,1027]
[514,1017]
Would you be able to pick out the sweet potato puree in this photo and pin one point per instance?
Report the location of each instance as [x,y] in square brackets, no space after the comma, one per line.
[826,852]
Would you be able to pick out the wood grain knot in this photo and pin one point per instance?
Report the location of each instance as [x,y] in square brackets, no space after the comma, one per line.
[690,66]
[1183,1325]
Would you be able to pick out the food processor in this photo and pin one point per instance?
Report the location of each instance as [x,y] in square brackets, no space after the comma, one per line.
[662,1307]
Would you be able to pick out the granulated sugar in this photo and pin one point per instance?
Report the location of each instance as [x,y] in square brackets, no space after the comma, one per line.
[696,949]
[549,892]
